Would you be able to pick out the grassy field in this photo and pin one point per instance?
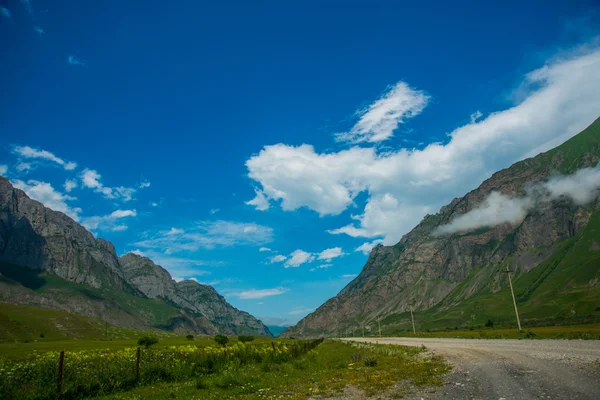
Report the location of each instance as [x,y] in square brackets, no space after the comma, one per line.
[322,372]
[263,368]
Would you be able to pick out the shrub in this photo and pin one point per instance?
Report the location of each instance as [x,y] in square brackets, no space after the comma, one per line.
[370,362]
[222,340]
[190,337]
[42,335]
[147,341]
[245,339]
[530,335]
[489,323]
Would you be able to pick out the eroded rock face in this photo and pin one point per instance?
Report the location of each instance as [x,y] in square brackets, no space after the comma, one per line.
[35,237]
[424,268]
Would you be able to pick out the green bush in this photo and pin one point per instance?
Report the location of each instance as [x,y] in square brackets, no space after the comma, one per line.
[370,362]
[190,337]
[245,339]
[222,340]
[147,341]
[489,323]
[530,335]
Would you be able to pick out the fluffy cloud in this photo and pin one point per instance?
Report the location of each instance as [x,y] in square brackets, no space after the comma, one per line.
[263,249]
[108,222]
[330,254]
[582,188]
[26,152]
[207,235]
[366,247]
[259,201]
[91,179]
[48,196]
[277,259]
[70,184]
[379,121]
[259,293]
[556,102]
[3,169]
[299,257]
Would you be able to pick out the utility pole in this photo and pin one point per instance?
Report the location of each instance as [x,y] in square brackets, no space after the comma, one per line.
[363,331]
[412,319]
[512,292]
[379,324]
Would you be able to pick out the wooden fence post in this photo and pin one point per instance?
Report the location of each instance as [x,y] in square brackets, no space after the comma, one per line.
[273,344]
[61,362]
[137,367]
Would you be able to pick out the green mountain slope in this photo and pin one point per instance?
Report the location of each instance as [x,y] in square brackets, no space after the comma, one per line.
[453,280]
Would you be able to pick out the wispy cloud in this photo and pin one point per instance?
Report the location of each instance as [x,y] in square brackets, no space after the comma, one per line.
[366,247]
[110,222]
[49,197]
[3,169]
[69,185]
[582,188]
[30,153]
[348,276]
[301,310]
[27,5]
[72,60]
[214,211]
[379,120]
[277,259]
[207,235]
[5,12]
[299,257]
[259,293]
[92,179]
[330,254]
[39,31]
[263,249]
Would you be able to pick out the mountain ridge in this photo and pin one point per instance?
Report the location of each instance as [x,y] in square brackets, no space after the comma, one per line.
[49,260]
[423,269]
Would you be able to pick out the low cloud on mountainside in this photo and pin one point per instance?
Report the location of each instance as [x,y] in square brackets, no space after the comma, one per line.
[581,188]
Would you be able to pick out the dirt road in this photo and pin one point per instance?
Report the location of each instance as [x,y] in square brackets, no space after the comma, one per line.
[512,369]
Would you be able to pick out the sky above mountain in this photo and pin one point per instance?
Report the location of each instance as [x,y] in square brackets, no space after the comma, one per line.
[265,147]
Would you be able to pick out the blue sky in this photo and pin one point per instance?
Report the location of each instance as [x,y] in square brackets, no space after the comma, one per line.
[199,134]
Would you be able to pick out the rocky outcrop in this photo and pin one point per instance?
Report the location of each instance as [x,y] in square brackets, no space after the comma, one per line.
[425,269]
[155,282]
[35,239]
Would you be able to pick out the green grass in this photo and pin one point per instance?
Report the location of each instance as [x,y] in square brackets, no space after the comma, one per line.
[323,372]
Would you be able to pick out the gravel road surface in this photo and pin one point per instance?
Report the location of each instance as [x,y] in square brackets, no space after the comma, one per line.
[512,369]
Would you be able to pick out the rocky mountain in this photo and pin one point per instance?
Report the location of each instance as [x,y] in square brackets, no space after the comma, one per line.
[450,277]
[49,260]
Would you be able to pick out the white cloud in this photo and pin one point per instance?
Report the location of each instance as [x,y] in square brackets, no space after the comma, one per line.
[208,235]
[49,197]
[323,266]
[174,231]
[299,257]
[558,101]
[72,60]
[70,184]
[277,259]
[379,121]
[348,276]
[214,211]
[262,249]
[330,254]
[91,179]
[582,188]
[366,247]
[23,166]
[144,184]
[108,222]
[3,169]
[154,204]
[5,12]
[259,201]
[260,293]
[138,252]
[36,154]
[475,116]
[301,310]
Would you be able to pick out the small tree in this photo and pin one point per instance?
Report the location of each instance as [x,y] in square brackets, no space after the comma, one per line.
[190,337]
[147,341]
[244,339]
[222,340]
[489,323]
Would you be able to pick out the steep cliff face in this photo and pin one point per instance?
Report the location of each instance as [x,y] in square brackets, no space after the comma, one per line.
[435,273]
[36,237]
[49,260]
[155,282]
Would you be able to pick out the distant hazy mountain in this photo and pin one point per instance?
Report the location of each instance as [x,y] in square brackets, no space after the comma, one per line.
[540,218]
[277,330]
[49,260]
